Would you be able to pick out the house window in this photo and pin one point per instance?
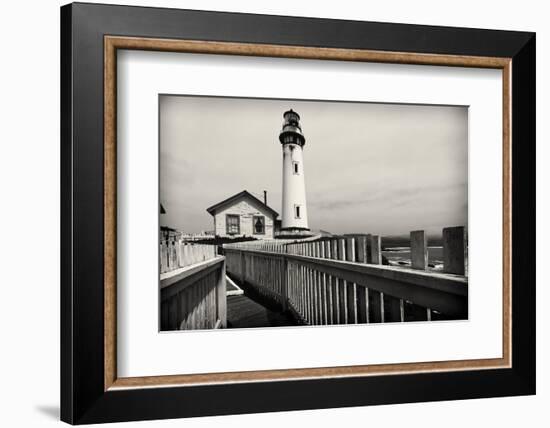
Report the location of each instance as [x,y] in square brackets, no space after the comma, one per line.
[259,224]
[232,224]
[295,168]
[297,211]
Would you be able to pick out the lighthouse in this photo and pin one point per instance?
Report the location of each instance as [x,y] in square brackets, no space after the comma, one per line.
[294,221]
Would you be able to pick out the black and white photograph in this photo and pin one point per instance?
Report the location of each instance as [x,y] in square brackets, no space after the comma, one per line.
[291,212]
[249,214]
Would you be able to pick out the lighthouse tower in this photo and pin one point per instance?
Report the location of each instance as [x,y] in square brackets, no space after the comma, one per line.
[294,221]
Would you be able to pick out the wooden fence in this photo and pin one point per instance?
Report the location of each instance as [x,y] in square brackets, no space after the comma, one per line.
[195,297]
[343,281]
[178,254]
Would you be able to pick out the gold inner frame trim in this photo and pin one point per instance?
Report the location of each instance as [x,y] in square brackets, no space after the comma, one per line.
[113,43]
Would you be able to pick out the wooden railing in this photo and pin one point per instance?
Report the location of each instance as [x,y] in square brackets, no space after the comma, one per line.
[194,297]
[178,254]
[342,280]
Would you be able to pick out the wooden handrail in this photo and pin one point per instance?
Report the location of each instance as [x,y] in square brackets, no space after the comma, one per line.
[189,275]
[194,297]
[449,283]
[441,292]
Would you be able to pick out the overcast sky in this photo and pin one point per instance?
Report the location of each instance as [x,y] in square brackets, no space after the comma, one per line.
[373,168]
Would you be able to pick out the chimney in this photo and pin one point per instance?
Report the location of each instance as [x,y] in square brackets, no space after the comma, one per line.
[265,197]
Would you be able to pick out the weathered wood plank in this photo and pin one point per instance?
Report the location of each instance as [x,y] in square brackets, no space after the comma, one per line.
[244,312]
[195,297]
[343,289]
[351,288]
[419,250]
[361,249]
[329,282]
[375,309]
[376,250]
[362,305]
[454,250]
[392,309]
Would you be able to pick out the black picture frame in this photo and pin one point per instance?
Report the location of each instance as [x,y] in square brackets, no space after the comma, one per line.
[83,398]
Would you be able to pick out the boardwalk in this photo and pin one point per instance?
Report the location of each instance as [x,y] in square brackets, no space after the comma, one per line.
[243,312]
[323,282]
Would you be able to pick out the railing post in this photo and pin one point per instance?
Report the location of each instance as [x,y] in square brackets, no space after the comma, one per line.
[284,283]
[242,267]
[305,292]
[168,254]
[330,293]
[419,250]
[335,283]
[376,250]
[343,285]
[179,262]
[362,304]
[361,249]
[324,285]
[382,308]
[368,245]
[362,292]
[221,294]
[163,263]
[309,294]
[351,286]
[316,285]
[375,299]
[350,249]
[454,250]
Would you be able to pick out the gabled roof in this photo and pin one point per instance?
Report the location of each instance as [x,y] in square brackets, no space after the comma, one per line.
[244,194]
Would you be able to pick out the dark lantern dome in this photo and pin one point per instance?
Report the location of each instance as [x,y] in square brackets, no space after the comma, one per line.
[292,131]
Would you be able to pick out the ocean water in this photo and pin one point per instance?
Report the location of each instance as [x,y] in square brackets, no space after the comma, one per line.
[401,256]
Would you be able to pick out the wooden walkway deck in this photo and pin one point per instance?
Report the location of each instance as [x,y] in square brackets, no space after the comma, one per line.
[243,312]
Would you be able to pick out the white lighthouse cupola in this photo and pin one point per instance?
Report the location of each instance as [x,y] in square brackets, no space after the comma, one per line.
[294,221]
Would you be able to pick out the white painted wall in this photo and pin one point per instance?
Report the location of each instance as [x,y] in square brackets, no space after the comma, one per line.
[294,187]
[35,202]
[246,209]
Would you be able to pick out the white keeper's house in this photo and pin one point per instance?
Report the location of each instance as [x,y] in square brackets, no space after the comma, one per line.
[243,215]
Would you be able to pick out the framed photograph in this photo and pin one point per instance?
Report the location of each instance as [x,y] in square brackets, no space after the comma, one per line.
[319,213]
